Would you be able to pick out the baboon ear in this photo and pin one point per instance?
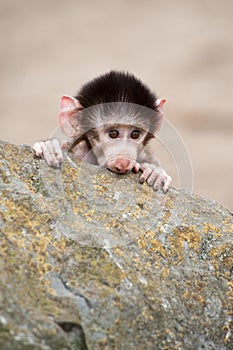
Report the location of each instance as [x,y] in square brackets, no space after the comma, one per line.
[159,104]
[159,107]
[68,116]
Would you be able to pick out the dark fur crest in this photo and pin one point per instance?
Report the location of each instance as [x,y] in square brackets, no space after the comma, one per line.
[116,87]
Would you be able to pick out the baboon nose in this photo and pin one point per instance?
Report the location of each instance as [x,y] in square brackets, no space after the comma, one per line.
[122,165]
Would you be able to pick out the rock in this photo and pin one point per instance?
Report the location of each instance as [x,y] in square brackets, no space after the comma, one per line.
[93,260]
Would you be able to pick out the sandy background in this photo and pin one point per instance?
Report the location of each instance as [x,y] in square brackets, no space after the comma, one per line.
[182,49]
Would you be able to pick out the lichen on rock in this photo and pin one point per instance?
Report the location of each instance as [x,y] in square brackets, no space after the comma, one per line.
[93,260]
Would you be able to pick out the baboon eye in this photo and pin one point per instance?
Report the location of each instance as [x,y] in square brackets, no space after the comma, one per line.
[113,134]
[135,134]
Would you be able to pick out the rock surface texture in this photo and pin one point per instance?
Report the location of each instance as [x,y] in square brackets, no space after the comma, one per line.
[92,260]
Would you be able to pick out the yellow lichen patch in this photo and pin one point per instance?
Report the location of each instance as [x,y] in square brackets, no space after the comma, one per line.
[72,283]
[186,295]
[229,221]
[103,178]
[25,232]
[209,227]
[189,295]
[76,210]
[198,297]
[228,229]
[100,190]
[189,235]
[81,208]
[180,237]
[228,329]
[89,215]
[200,285]
[166,216]
[151,244]
[40,266]
[157,247]
[169,203]
[118,252]
[222,253]
[164,273]
[69,171]
[230,295]
[113,223]
[147,315]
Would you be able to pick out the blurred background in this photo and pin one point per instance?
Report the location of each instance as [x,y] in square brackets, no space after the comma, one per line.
[182,49]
